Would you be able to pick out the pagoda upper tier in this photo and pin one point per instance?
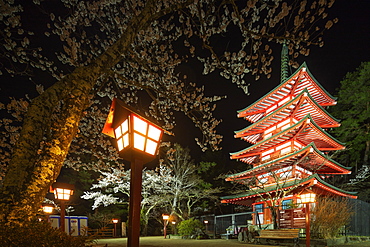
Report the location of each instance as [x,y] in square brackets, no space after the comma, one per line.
[294,137]
[293,110]
[287,90]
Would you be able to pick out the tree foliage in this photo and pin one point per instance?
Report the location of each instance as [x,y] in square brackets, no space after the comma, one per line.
[190,227]
[354,110]
[90,51]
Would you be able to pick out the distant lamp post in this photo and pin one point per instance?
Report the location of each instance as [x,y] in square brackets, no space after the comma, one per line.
[166,218]
[62,192]
[115,221]
[137,141]
[307,197]
[206,223]
[174,227]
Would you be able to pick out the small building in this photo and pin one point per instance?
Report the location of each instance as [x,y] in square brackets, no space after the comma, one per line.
[290,146]
[75,225]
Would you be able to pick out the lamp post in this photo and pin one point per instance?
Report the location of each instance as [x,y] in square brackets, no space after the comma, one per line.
[308,197]
[137,140]
[174,227]
[47,209]
[115,221]
[165,217]
[206,223]
[62,192]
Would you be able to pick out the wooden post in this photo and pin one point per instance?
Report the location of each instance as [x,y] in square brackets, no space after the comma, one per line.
[62,216]
[308,235]
[135,201]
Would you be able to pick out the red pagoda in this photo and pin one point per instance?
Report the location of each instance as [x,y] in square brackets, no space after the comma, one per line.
[289,146]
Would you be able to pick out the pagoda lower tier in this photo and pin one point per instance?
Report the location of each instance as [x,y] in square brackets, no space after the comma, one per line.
[294,186]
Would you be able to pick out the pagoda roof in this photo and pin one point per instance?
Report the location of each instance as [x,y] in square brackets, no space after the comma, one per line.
[298,108]
[305,132]
[317,184]
[293,86]
[317,162]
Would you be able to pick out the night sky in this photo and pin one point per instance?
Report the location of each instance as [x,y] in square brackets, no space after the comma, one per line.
[347,44]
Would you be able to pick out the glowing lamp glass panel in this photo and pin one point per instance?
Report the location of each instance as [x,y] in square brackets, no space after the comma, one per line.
[140,126]
[165,217]
[47,209]
[308,197]
[154,133]
[62,194]
[151,146]
[122,135]
[139,142]
[115,221]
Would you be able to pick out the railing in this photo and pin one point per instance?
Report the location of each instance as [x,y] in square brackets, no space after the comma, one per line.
[102,232]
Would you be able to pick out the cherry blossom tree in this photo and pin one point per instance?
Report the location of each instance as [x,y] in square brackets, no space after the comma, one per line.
[80,54]
[173,187]
[114,188]
[186,188]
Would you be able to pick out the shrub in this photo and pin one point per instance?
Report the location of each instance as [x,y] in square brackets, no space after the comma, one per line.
[190,227]
[36,234]
[330,216]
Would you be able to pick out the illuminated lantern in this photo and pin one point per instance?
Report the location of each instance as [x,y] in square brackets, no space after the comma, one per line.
[134,135]
[47,208]
[308,196]
[62,192]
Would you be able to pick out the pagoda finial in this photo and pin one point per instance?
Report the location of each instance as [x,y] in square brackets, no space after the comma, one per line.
[284,63]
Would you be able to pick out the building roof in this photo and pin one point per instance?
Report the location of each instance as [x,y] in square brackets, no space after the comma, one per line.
[296,108]
[318,185]
[305,132]
[293,86]
[308,158]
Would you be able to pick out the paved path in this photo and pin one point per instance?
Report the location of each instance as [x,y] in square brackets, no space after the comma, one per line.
[159,241]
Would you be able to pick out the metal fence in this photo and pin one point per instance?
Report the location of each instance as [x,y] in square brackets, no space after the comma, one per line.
[230,224]
[360,222]
[227,224]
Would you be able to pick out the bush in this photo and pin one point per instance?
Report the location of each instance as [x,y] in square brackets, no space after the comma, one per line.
[330,216]
[36,234]
[190,227]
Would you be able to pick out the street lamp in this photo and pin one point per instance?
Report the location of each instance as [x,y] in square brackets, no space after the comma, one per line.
[206,223]
[62,192]
[165,217]
[137,140]
[115,221]
[174,227]
[308,197]
[47,208]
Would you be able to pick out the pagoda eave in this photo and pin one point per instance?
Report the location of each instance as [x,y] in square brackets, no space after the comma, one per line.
[313,182]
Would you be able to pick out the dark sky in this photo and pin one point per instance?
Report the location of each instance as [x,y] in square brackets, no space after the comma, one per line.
[347,44]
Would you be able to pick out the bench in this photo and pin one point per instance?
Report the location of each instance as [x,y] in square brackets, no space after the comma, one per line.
[292,234]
